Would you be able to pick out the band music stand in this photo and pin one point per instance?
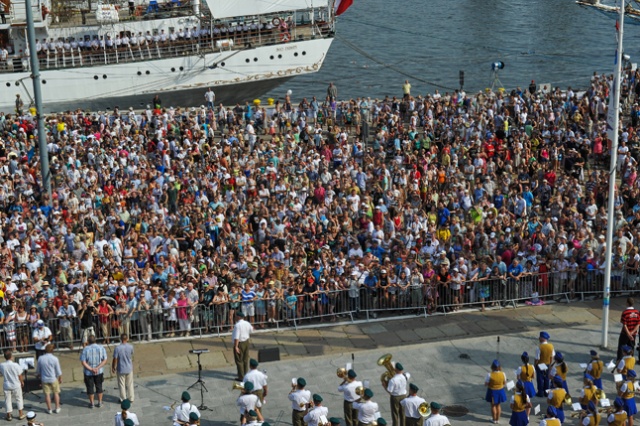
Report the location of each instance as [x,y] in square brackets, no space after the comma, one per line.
[200,382]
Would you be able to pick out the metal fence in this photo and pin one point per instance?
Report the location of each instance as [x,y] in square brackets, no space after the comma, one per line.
[357,302]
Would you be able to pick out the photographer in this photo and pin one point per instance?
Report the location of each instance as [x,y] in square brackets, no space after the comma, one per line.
[86,315]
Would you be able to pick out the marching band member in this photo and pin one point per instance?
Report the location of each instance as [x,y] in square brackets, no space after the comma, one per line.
[334,421]
[258,378]
[120,417]
[436,419]
[299,398]
[367,409]
[397,389]
[593,416]
[627,393]
[526,373]
[520,404]
[588,392]
[252,418]
[182,411]
[628,362]
[410,406]
[556,397]
[194,419]
[559,368]
[594,368]
[551,418]
[247,402]
[544,355]
[312,418]
[348,388]
[496,395]
[619,417]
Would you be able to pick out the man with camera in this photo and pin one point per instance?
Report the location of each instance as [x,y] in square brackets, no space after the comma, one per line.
[86,314]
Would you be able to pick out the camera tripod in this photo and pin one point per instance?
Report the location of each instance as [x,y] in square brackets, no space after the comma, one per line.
[200,383]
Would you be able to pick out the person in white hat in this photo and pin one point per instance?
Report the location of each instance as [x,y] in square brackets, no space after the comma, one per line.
[41,336]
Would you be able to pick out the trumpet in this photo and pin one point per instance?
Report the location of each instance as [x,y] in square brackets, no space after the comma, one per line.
[425,410]
[385,360]
[341,373]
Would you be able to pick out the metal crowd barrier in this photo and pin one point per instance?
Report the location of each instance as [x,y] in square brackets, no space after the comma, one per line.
[342,305]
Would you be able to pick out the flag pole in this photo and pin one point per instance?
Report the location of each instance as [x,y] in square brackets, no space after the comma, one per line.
[613,118]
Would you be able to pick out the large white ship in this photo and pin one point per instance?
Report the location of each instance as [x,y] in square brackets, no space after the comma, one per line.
[124,52]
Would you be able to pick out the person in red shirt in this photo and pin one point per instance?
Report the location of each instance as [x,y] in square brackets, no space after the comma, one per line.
[630,320]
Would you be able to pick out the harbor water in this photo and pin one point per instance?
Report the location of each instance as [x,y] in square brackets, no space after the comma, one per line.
[380,43]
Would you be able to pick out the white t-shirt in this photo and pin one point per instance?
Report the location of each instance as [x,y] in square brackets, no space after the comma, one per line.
[11,372]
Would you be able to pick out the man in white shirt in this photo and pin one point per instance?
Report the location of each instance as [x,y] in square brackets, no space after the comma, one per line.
[41,337]
[182,411]
[258,378]
[210,97]
[348,388]
[12,386]
[436,419]
[411,405]
[367,409]
[299,398]
[66,314]
[314,416]
[240,335]
[249,404]
[397,388]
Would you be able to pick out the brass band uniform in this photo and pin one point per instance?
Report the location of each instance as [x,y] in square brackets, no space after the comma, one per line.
[619,417]
[313,417]
[551,418]
[299,398]
[627,393]
[495,382]
[588,392]
[594,368]
[436,419]
[367,409]
[182,411]
[560,369]
[592,417]
[527,373]
[520,402]
[348,388]
[248,401]
[628,362]
[397,388]
[410,406]
[544,355]
[556,396]
[258,378]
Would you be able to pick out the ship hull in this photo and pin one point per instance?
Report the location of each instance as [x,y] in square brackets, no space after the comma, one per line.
[235,76]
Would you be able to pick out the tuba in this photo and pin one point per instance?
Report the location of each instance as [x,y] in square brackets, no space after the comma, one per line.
[385,360]
[425,410]
[341,373]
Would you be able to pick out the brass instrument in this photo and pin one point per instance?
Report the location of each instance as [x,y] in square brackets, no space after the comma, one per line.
[425,410]
[600,394]
[306,404]
[567,399]
[607,410]
[342,373]
[360,390]
[582,414]
[237,386]
[385,361]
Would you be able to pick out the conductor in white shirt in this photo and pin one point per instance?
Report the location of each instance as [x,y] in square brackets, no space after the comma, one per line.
[397,389]
[314,416]
[240,335]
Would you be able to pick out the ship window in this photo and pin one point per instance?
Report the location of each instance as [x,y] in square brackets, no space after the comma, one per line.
[104,76]
[181,68]
[271,57]
[43,82]
[147,72]
[8,84]
[139,72]
[255,59]
[247,60]
[95,77]
[222,64]
[173,69]
[279,56]
[295,54]
[304,52]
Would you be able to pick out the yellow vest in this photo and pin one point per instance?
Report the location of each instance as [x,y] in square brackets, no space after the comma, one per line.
[629,364]
[559,370]
[496,380]
[526,373]
[589,395]
[558,397]
[596,368]
[546,353]
[519,402]
[619,419]
[629,393]
[594,420]
[553,422]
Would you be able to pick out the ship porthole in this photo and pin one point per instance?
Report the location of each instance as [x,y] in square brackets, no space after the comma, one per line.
[271,57]
[247,60]
[8,84]
[279,56]
[147,72]
[104,76]
[17,83]
[181,68]
[44,81]
[255,59]
[173,69]
[304,52]
[222,64]
[95,77]
[295,54]
[139,72]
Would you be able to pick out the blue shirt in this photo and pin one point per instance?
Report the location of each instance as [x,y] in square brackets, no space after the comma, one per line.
[124,354]
[48,368]
[93,355]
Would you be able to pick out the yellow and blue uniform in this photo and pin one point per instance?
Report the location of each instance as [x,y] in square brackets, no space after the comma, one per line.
[628,398]
[556,399]
[495,387]
[526,375]
[544,355]
[519,403]
[595,369]
[628,362]
[588,394]
[617,419]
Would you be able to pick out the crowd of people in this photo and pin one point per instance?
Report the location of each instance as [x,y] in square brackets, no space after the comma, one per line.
[167,218]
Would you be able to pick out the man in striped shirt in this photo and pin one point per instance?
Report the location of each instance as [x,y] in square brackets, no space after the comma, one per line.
[248,296]
[630,321]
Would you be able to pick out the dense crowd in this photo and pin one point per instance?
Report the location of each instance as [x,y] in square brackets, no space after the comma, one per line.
[168,218]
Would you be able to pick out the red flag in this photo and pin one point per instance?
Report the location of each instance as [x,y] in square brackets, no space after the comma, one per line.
[342,5]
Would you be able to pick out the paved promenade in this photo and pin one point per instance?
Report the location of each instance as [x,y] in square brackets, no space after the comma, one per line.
[447,356]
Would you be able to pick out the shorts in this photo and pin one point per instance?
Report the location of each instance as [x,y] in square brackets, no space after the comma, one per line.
[51,388]
[94,384]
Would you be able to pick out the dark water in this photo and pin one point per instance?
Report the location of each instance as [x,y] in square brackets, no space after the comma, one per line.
[551,41]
